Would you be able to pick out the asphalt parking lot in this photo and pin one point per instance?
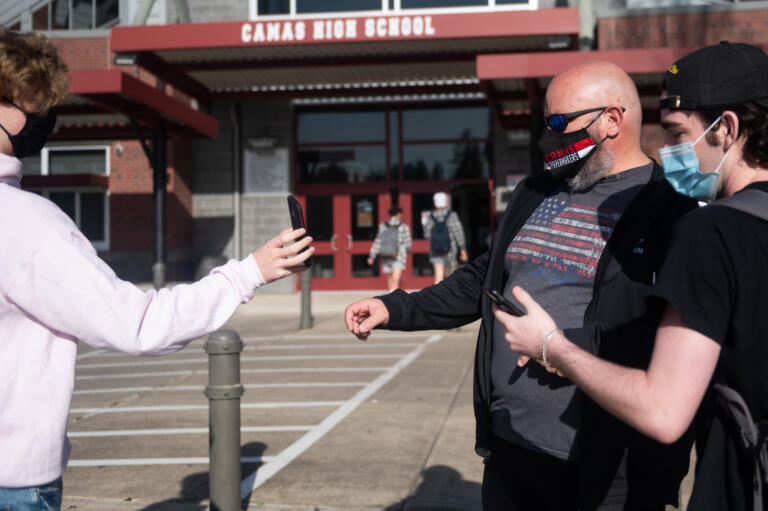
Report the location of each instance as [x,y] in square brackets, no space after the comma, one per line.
[328,422]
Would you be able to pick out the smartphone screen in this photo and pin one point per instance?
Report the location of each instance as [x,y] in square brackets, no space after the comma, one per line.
[503,303]
[297,220]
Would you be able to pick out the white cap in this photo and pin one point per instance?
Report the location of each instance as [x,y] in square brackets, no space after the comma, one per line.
[440,199]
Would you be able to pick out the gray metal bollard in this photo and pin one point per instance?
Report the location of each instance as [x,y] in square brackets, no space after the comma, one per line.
[306,320]
[223,392]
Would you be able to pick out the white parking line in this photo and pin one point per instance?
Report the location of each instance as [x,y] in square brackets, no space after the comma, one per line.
[113,376]
[317,370]
[273,466]
[337,345]
[118,390]
[204,360]
[93,353]
[184,408]
[126,462]
[180,431]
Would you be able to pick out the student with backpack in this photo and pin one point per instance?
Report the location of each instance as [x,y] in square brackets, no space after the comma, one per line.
[711,349]
[392,244]
[443,228]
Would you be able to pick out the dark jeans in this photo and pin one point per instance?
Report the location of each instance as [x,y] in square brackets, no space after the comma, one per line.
[46,497]
[519,479]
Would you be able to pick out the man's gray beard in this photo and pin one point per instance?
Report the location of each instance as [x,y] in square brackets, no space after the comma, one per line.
[595,168]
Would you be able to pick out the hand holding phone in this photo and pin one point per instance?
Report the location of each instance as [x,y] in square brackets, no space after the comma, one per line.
[297,221]
[503,303]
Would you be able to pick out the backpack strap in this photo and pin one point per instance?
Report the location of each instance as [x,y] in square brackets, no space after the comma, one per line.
[752,201]
[751,437]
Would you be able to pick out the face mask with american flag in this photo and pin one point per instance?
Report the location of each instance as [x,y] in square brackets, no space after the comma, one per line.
[566,153]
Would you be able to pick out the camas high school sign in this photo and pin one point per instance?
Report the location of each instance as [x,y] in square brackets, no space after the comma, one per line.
[339,29]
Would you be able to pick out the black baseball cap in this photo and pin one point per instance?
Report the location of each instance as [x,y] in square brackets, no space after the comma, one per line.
[721,75]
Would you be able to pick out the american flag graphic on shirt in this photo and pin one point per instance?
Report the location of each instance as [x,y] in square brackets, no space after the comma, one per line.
[565,238]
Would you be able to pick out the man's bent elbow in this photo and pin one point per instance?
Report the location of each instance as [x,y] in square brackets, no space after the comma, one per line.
[666,430]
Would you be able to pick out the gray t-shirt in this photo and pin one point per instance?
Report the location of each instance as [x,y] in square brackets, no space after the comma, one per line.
[554,257]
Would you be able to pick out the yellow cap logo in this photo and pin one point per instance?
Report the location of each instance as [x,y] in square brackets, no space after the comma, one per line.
[673,69]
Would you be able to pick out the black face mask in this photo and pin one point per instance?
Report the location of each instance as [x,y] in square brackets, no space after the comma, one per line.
[33,136]
[566,153]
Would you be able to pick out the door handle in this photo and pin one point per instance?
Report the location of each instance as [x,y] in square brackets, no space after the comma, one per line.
[333,243]
[349,244]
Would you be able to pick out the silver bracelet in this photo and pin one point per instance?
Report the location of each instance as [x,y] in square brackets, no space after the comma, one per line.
[547,337]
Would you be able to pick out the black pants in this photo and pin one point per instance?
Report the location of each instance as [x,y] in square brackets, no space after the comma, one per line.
[519,479]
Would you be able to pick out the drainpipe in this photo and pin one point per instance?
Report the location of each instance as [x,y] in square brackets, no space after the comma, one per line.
[145,7]
[237,171]
[586,25]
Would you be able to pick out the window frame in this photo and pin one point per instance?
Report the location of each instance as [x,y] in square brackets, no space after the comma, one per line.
[46,151]
[49,4]
[100,245]
[491,6]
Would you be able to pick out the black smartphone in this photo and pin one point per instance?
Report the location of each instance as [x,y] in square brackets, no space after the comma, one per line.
[297,220]
[503,303]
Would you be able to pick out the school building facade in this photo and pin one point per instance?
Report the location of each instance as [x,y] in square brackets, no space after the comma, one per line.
[215,111]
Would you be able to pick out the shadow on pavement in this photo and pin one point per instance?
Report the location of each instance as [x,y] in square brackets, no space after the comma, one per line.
[193,493]
[442,488]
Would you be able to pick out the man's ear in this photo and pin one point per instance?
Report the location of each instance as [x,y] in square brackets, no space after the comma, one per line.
[728,131]
[614,118]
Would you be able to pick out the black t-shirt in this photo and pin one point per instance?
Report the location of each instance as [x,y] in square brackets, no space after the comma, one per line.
[715,275]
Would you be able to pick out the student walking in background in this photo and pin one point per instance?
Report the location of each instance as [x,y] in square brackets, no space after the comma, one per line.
[443,228]
[392,244]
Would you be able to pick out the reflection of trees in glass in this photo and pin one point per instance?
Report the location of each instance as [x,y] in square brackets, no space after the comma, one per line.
[339,165]
[333,173]
[416,171]
[313,169]
[467,157]
[438,172]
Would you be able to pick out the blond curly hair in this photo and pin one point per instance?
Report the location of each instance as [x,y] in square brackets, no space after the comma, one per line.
[31,68]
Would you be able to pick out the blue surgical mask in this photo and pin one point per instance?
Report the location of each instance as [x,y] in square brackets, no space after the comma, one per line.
[681,168]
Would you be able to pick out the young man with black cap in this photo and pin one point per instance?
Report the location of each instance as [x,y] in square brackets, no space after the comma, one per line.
[711,347]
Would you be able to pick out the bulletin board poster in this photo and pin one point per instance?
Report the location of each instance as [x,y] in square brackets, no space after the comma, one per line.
[364,216]
[265,171]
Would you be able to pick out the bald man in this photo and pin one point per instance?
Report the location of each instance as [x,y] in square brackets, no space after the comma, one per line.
[585,238]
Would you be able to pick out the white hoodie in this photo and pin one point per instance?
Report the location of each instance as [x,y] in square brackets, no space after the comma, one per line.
[54,291]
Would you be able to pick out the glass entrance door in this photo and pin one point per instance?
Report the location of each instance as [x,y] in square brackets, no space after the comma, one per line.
[344,227]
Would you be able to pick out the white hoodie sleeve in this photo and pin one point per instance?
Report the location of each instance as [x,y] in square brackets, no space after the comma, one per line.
[62,284]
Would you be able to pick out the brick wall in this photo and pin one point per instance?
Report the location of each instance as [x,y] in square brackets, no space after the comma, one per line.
[85,53]
[682,30]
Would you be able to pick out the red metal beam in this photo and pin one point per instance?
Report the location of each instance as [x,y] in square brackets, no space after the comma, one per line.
[122,93]
[175,76]
[542,65]
[32,181]
[292,31]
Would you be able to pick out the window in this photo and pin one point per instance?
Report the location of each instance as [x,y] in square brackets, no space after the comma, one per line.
[309,7]
[357,146]
[88,208]
[66,160]
[425,4]
[342,147]
[274,7]
[446,143]
[76,14]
